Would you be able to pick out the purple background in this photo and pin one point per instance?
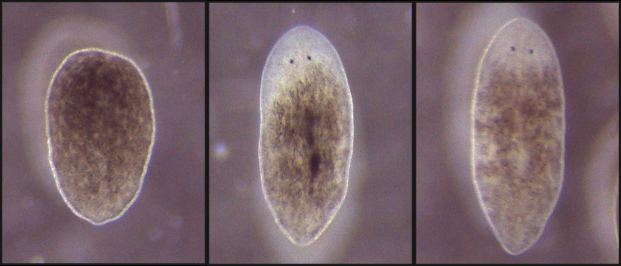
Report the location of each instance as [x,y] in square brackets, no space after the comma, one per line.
[374,42]
[450,38]
[167,221]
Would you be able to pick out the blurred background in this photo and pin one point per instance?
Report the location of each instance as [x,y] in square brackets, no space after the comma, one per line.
[167,221]
[450,226]
[374,42]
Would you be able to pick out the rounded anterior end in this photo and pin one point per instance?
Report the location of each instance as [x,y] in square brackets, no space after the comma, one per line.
[518,133]
[100,127]
[306,134]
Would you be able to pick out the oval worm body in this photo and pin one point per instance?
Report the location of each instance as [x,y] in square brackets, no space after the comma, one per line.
[518,133]
[306,133]
[100,128]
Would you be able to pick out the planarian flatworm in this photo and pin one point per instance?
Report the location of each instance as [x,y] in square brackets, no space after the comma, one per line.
[306,134]
[518,133]
[100,126]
